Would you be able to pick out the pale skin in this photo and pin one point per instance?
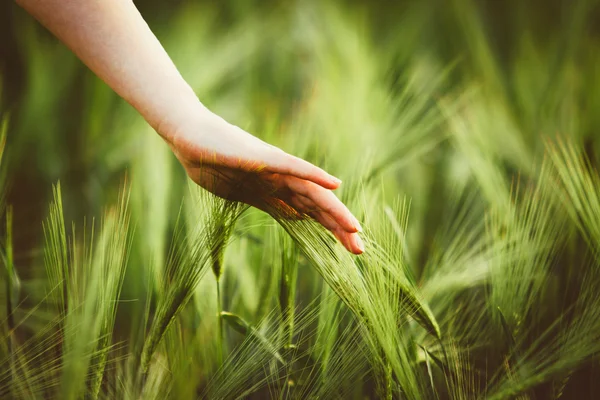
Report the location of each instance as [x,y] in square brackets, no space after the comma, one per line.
[114,41]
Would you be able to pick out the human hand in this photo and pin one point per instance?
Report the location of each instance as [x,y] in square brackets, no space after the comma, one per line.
[236,165]
[113,39]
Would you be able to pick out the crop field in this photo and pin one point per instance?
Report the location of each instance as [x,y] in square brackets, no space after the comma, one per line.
[467,137]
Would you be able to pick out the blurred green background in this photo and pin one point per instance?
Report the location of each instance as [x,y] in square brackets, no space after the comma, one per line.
[467,109]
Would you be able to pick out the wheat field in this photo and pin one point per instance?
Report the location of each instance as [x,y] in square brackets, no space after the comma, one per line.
[467,136]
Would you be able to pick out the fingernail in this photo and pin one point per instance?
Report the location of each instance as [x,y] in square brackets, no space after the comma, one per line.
[360,244]
[335,180]
[357,224]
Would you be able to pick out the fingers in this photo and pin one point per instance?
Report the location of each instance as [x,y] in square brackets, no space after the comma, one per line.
[286,195]
[280,162]
[325,200]
[349,239]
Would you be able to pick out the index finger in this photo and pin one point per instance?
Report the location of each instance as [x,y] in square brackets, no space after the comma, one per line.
[283,163]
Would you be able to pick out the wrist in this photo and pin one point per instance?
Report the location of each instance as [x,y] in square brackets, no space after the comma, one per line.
[180,116]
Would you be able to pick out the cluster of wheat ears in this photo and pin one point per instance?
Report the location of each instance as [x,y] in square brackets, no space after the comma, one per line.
[474,178]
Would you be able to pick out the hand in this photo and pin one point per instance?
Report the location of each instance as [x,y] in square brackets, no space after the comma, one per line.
[112,38]
[235,165]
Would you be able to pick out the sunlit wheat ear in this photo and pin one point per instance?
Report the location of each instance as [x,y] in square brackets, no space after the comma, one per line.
[189,258]
[258,362]
[391,254]
[573,336]
[462,380]
[88,276]
[341,353]
[287,284]
[111,255]
[558,351]
[38,363]
[56,254]
[578,184]
[221,231]
[459,255]
[525,240]
[187,262]
[241,371]
[360,282]
[158,381]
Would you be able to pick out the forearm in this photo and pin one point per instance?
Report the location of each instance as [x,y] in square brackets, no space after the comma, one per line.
[114,41]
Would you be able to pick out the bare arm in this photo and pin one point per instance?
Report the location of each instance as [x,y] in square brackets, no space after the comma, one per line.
[114,41]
